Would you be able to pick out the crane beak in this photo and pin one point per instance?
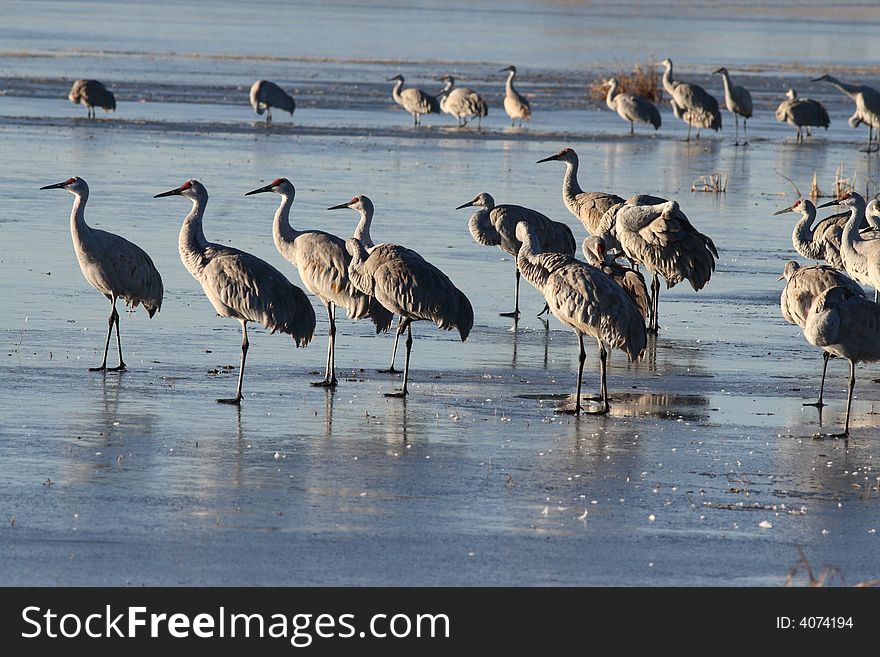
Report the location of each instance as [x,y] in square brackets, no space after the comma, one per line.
[465,205]
[341,206]
[829,203]
[548,159]
[55,186]
[780,278]
[790,208]
[267,188]
[170,192]
[717,72]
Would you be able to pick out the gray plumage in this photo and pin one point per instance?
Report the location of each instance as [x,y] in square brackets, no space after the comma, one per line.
[515,104]
[92,94]
[691,103]
[586,300]
[462,103]
[848,326]
[738,101]
[117,268]
[415,101]
[802,113]
[495,225]
[322,263]
[860,252]
[822,242]
[265,95]
[240,285]
[631,107]
[590,208]
[867,100]
[657,234]
[631,280]
[409,286]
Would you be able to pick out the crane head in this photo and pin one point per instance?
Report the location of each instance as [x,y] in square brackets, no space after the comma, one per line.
[790,268]
[565,155]
[798,206]
[852,199]
[279,186]
[666,62]
[791,94]
[396,78]
[510,69]
[190,189]
[824,78]
[75,185]
[720,71]
[481,200]
[359,203]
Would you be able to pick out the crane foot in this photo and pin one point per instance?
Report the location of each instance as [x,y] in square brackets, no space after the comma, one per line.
[817,404]
[401,394]
[235,401]
[514,313]
[326,383]
[390,370]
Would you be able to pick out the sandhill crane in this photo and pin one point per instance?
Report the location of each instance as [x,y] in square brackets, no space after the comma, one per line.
[415,101]
[240,285]
[92,94]
[860,254]
[691,103]
[631,107]
[660,236]
[802,113]
[515,104]
[322,263]
[823,241]
[112,265]
[633,283]
[739,103]
[495,225]
[265,95]
[409,286]
[847,325]
[588,207]
[462,103]
[802,286]
[867,100]
[586,300]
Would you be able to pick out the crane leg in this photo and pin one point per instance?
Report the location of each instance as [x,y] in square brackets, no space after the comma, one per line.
[268,114]
[852,385]
[736,124]
[515,312]
[392,370]
[603,373]
[407,323]
[112,321]
[653,325]
[632,129]
[745,131]
[582,357]
[820,404]
[244,349]
[330,370]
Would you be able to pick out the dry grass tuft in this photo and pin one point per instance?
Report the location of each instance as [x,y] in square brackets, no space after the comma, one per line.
[826,576]
[644,80]
[713,183]
[842,185]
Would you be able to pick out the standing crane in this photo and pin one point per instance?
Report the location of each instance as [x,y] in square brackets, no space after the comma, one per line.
[92,94]
[631,280]
[586,300]
[515,104]
[867,100]
[822,242]
[265,95]
[112,265]
[462,103]
[691,103]
[240,285]
[588,207]
[803,285]
[631,107]
[661,237]
[322,263]
[802,113]
[847,325]
[861,257]
[495,225]
[739,103]
[415,101]
[409,286]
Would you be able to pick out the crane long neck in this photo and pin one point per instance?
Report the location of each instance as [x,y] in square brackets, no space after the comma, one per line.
[528,261]
[851,235]
[848,89]
[570,187]
[668,82]
[395,93]
[609,97]
[192,243]
[509,86]
[79,229]
[362,230]
[803,236]
[283,233]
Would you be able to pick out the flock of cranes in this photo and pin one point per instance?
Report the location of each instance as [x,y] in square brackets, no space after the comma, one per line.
[689,102]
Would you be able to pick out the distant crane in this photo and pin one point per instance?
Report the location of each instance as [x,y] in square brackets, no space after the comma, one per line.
[415,101]
[631,107]
[495,225]
[661,237]
[240,285]
[586,300]
[867,100]
[631,280]
[691,103]
[409,286]
[802,113]
[738,101]
[265,95]
[847,325]
[462,103]
[802,286]
[322,263]
[92,94]
[112,265]
[515,104]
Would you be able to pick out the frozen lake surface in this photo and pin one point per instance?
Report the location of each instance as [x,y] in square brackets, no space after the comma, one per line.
[141,478]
